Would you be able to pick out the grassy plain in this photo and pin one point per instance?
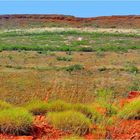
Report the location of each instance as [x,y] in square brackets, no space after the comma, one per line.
[92,68]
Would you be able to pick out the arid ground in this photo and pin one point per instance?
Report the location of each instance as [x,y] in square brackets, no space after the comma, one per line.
[27,74]
[74,83]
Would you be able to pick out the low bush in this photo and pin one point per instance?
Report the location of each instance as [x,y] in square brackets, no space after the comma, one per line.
[102,69]
[135,86]
[75,67]
[110,109]
[88,111]
[130,67]
[16,121]
[5,105]
[86,49]
[64,58]
[37,107]
[131,110]
[70,121]
[133,69]
[105,99]
[57,106]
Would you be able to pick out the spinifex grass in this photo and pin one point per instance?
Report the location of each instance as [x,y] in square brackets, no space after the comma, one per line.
[70,121]
[16,121]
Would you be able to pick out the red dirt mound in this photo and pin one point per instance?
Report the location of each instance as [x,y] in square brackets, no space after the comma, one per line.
[126,129]
[42,130]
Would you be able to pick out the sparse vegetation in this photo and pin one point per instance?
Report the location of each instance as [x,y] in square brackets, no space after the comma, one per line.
[67,81]
[75,67]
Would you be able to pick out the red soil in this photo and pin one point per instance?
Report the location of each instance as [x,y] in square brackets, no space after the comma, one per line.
[131,96]
[43,129]
[126,129]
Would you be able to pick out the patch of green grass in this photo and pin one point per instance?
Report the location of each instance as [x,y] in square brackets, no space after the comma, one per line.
[71,121]
[130,110]
[16,121]
[86,49]
[58,41]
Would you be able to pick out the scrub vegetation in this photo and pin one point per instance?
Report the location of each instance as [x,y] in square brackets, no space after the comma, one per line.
[69,85]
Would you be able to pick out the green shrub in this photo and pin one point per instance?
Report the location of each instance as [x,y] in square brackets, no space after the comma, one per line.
[131,110]
[135,86]
[111,109]
[71,121]
[57,106]
[5,105]
[88,111]
[64,58]
[75,67]
[37,107]
[16,121]
[86,49]
[105,98]
[132,68]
